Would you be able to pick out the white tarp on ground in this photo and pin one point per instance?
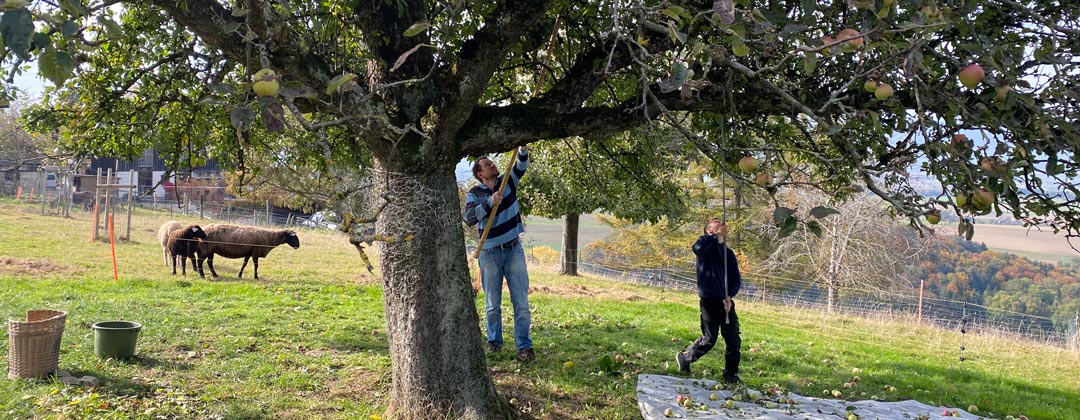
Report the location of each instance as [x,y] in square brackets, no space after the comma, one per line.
[656,393]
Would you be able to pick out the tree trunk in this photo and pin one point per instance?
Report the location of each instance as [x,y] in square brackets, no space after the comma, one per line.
[831,296]
[570,244]
[439,370]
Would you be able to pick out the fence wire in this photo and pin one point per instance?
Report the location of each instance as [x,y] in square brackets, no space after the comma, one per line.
[948,314]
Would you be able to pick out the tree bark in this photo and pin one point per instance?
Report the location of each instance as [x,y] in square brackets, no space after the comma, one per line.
[439,370]
[570,244]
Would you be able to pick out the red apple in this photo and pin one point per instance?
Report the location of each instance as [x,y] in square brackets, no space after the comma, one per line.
[883,91]
[851,34]
[972,75]
[763,179]
[749,164]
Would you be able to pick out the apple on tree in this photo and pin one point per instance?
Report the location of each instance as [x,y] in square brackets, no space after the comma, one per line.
[749,164]
[883,91]
[265,83]
[972,75]
[870,86]
[850,34]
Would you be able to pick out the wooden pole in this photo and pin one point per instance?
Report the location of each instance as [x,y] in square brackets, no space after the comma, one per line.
[112,244]
[108,195]
[495,209]
[131,202]
[921,284]
[97,201]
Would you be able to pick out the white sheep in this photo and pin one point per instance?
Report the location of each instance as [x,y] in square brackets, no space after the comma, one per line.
[163,236]
[245,242]
[183,244]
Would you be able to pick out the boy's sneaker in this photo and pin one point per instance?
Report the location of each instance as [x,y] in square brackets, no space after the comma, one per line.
[526,355]
[682,362]
[732,379]
[493,347]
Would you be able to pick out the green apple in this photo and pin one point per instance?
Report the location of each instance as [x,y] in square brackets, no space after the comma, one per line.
[265,83]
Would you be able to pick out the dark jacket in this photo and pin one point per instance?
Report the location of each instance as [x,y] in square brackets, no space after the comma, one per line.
[710,268]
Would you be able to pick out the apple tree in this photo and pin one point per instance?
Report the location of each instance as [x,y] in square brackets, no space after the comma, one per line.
[418,84]
[632,175]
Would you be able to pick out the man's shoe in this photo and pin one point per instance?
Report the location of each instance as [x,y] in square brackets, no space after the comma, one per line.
[732,379]
[684,365]
[526,355]
[493,347]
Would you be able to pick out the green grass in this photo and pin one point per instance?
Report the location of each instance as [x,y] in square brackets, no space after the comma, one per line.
[307,340]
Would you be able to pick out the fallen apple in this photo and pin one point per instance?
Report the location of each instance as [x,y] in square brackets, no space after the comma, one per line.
[668,412]
[972,75]
[973,409]
[837,394]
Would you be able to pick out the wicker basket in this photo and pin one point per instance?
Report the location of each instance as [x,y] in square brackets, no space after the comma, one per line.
[35,344]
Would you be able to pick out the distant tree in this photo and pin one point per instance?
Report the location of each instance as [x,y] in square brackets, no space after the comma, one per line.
[632,176]
[860,249]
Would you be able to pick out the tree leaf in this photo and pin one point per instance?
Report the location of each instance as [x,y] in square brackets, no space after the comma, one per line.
[822,211]
[339,81]
[57,66]
[781,214]
[673,32]
[69,28]
[404,56]
[241,118]
[73,7]
[814,227]
[417,28]
[273,114]
[112,29]
[789,225]
[294,89]
[810,61]
[16,26]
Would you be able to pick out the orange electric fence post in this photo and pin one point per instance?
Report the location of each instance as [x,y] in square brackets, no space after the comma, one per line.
[18,193]
[112,244]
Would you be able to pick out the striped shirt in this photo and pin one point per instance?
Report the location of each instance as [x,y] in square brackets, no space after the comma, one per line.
[507,225]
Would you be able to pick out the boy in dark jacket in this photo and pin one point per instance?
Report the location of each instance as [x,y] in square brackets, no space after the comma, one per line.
[715,264]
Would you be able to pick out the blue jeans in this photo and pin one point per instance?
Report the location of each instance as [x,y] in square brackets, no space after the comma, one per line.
[495,264]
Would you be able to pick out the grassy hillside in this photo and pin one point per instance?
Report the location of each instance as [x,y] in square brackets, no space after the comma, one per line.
[307,340]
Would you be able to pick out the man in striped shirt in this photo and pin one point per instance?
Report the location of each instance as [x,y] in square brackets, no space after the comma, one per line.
[502,255]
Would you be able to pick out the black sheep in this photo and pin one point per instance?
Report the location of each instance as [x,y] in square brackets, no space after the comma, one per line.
[183,244]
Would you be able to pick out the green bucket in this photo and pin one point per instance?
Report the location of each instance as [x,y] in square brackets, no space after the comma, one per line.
[115,339]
